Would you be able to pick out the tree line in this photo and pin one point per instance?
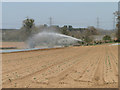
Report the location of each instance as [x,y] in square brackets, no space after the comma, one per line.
[28,29]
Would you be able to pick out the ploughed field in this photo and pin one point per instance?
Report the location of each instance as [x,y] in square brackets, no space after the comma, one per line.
[70,67]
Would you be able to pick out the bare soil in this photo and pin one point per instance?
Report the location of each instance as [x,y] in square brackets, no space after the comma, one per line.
[18,45]
[70,67]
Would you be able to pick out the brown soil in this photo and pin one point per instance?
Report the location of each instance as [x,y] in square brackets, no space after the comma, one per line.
[14,44]
[70,67]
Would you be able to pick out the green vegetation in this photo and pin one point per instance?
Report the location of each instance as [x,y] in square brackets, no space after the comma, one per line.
[64,30]
[28,25]
[107,38]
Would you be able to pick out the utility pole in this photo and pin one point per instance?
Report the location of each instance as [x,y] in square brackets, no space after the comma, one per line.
[50,21]
[98,22]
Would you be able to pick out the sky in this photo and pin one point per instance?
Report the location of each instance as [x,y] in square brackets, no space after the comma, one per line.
[77,14]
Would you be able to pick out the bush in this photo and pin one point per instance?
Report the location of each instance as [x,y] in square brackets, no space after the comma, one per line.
[107,38]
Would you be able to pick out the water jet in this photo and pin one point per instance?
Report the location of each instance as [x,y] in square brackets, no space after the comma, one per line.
[51,39]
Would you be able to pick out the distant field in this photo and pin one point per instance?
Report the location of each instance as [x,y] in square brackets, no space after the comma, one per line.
[72,67]
[14,44]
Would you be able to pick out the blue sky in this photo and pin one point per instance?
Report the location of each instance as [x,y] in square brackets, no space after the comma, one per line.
[77,14]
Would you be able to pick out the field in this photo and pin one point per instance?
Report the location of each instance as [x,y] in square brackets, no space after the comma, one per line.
[14,44]
[69,67]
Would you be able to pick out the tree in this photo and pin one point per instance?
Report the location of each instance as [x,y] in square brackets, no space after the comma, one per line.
[45,25]
[64,30]
[87,36]
[118,32]
[92,30]
[88,39]
[106,38]
[28,24]
[70,27]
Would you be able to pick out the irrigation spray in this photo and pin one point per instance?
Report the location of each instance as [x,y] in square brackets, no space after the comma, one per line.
[51,39]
